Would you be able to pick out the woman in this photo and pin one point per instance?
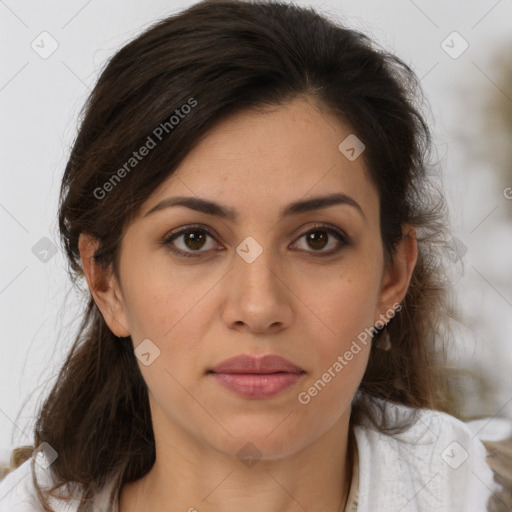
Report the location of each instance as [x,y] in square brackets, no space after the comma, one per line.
[250,201]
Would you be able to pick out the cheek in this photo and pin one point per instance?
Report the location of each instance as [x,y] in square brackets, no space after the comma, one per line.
[340,359]
[161,298]
[342,355]
[346,301]
[174,312]
[341,327]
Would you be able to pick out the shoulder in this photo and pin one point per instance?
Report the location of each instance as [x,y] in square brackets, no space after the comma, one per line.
[18,494]
[17,491]
[437,464]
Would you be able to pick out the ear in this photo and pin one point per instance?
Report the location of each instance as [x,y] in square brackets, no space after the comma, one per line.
[396,277]
[104,287]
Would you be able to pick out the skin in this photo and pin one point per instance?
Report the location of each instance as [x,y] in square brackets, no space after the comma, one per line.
[289,301]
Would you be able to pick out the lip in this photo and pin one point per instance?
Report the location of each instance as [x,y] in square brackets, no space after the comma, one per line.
[257,377]
[252,364]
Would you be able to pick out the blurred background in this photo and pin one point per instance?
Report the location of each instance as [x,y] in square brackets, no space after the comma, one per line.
[52,53]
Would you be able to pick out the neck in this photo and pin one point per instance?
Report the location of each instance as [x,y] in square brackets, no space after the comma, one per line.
[190,476]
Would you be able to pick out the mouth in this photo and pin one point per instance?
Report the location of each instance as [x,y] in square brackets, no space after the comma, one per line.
[256,377]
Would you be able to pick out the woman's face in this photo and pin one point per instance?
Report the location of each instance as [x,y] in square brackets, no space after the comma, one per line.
[258,282]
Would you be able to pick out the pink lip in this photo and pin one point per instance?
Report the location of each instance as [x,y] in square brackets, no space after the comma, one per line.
[257,377]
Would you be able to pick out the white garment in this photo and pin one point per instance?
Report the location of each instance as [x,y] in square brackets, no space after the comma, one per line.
[437,465]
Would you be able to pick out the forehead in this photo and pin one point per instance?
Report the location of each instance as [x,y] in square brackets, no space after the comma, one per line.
[265,159]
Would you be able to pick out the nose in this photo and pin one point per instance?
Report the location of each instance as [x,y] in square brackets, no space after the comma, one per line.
[258,298]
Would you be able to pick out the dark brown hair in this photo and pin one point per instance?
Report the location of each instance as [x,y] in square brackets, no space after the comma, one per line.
[221,57]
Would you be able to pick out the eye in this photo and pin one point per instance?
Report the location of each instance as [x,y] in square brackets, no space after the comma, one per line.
[190,240]
[320,237]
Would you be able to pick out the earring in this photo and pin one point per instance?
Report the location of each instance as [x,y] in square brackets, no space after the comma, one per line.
[384,341]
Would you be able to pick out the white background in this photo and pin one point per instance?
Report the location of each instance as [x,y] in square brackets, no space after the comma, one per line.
[39,104]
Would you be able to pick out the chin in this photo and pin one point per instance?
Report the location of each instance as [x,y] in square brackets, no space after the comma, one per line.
[261,441]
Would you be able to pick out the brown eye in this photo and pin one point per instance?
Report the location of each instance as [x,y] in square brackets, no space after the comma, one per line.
[190,240]
[321,237]
[193,239]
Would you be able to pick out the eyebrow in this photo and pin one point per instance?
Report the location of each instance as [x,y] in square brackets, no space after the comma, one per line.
[225,212]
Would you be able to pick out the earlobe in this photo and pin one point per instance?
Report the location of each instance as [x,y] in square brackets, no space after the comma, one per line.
[397,277]
[103,286]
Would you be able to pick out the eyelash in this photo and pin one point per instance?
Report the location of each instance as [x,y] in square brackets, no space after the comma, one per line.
[342,237]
